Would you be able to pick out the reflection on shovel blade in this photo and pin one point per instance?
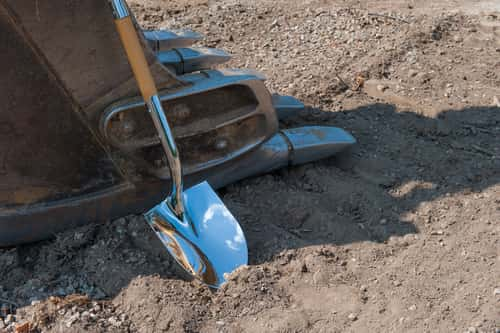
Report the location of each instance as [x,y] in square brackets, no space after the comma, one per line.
[208,245]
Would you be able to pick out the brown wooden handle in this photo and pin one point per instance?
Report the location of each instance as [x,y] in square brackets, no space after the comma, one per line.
[136,57]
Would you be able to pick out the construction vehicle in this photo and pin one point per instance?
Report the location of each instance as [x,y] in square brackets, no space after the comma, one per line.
[77,144]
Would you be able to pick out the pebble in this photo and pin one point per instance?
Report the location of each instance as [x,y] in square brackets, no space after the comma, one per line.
[383,221]
[496,101]
[352,317]
[382,87]
[9,319]
[496,292]
[363,288]
[71,320]
[114,321]
[412,73]
[220,323]
[472,330]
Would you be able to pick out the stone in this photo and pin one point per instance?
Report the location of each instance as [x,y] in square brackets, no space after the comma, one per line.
[72,319]
[412,73]
[9,319]
[114,321]
[352,317]
[496,101]
[382,87]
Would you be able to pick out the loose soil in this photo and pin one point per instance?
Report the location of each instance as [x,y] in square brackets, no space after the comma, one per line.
[400,234]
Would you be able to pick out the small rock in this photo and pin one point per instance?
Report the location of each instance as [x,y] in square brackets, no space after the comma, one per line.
[9,319]
[397,283]
[496,101]
[412,307]
[383,221]
[496,292]
[114,321]
[220,323]
[71,320]
[472,330]
[363,288]
[412,73]
[352,317]
[382,87]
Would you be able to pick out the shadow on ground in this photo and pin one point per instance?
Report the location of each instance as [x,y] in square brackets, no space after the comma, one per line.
[402,161]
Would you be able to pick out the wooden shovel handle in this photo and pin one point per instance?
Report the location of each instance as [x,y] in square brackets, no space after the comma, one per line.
[136,57]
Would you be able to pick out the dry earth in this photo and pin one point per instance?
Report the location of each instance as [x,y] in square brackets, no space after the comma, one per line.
[402,234]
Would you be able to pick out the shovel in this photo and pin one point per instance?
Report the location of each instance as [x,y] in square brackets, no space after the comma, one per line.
[194,225]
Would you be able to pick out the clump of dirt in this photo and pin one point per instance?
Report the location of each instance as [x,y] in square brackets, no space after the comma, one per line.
[399,234]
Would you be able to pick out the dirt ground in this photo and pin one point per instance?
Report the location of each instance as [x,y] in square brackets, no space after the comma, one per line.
[401,234]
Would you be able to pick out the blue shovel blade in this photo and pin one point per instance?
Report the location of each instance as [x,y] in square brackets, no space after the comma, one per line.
[208,242]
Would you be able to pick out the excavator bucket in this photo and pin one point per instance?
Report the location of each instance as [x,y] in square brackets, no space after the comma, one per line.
[77,144]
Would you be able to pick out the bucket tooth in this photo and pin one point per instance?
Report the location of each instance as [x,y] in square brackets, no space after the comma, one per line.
[287,106]
[313,143]
[188,60]
[163,40]
[288,147]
